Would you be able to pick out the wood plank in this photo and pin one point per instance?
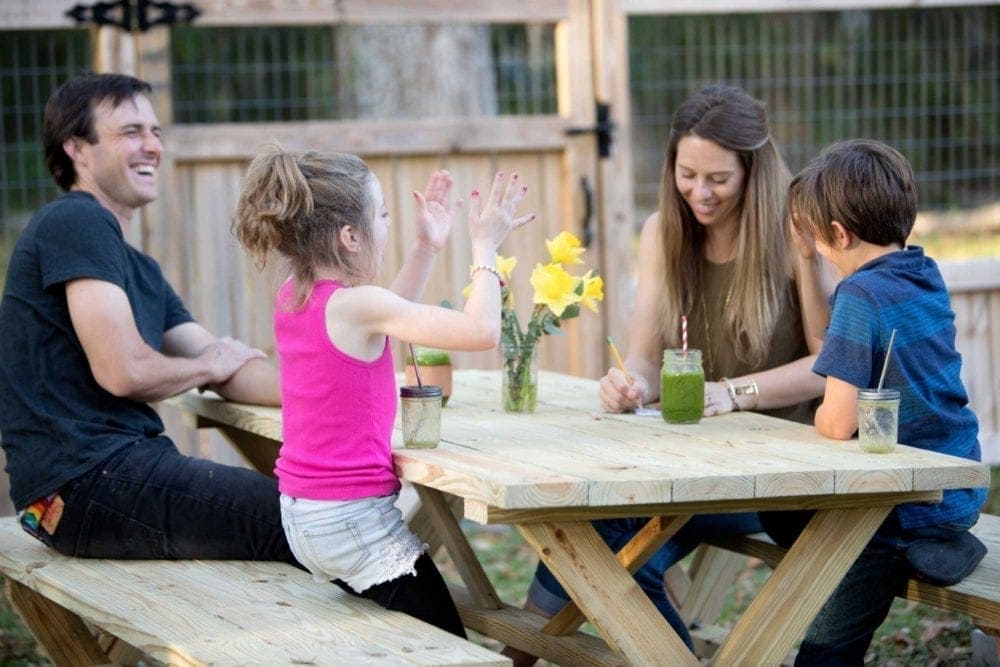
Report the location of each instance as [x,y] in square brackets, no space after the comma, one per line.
[420,521]
[712,574]
[582,349]
[523,629]
[602,588]
[62,634]
[271,611]
[311,12]
[258,419]
[485,514]
[800,585]
[641,7]
[477,583]
[971,275]
[224,142]
[624,459]
[633,555]
[615,197]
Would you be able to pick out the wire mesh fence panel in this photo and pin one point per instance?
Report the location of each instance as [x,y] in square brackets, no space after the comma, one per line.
[347,72]
[926,81]
[32,64]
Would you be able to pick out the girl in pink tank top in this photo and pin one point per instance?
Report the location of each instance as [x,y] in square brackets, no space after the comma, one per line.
[325,215]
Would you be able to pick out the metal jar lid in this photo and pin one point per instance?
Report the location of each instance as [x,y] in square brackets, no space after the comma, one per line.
[427,391]
[878,395]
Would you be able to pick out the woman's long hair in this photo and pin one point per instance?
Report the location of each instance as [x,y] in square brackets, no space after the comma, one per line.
[734,120]
[296,204]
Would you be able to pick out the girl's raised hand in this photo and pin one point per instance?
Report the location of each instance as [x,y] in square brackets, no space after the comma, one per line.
[493,219]
[434,215]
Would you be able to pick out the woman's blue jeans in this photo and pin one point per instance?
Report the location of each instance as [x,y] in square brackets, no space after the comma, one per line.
[549,595]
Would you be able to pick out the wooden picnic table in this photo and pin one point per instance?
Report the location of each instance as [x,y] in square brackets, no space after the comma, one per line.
[551,472]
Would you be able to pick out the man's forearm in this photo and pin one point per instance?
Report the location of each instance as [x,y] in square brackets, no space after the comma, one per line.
[156,377]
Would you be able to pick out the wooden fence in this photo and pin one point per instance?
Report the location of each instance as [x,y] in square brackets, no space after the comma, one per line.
[974,286]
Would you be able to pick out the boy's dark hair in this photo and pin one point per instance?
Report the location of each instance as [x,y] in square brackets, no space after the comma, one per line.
[70,113]
[865,185]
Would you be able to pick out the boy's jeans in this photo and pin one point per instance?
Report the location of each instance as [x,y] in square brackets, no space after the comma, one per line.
[842,631]
[148,501]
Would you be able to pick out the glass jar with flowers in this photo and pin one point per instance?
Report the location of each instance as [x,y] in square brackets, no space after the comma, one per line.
[558,295]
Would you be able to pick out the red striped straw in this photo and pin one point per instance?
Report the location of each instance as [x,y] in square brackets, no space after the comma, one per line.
[684,335]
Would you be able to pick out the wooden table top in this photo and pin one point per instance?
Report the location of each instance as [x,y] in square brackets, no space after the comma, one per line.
[571,454]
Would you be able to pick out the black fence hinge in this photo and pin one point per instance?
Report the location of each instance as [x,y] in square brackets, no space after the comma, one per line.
[133,15]
[603,129]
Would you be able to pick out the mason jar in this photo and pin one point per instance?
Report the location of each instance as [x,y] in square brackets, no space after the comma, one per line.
[421,408]
[682,386]
[878,419]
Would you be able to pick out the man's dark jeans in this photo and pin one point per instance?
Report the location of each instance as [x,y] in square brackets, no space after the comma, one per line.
[148,501]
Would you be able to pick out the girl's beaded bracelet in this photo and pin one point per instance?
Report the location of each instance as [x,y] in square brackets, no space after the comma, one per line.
[475,268]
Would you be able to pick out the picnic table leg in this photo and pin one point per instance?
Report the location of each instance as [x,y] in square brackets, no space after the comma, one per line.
[633,555]
[800,585]
[63,634]
[434,503]
[422,522]
[606,592]
[713,573]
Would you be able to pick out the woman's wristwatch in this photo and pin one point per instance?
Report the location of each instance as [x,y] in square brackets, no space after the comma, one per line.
[748,388]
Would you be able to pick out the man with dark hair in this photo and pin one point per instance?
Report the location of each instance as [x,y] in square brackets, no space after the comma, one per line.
[90,333]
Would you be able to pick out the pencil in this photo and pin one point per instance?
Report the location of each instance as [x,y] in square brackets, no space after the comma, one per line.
[618,360]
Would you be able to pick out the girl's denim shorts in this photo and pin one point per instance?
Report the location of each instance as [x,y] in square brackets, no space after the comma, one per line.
[360,542]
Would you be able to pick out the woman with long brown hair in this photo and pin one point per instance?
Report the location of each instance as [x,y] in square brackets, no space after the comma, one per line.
[720,252]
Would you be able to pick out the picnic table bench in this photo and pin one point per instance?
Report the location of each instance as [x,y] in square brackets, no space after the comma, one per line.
[90,612]
[719,560]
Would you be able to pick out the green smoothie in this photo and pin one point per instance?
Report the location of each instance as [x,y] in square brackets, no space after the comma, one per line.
[682,397]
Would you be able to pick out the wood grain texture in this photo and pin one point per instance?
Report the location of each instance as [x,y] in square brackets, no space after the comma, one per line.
[606,593]
[800,585]
[64,636]
[228,612]
[568,454]
[523,629]
[477,583]
[633,555]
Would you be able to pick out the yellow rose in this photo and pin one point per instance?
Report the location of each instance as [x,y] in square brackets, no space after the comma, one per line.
[593,290]
[554,287]
[565,249]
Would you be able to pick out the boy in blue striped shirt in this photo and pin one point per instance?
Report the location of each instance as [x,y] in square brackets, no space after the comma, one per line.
[856,204]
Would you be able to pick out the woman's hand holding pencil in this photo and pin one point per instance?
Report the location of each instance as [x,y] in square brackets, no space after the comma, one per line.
[620,390]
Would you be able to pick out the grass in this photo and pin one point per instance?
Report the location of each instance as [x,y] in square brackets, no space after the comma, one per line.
[913,634]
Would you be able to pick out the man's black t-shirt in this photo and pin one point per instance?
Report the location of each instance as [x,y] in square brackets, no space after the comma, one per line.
[56,422]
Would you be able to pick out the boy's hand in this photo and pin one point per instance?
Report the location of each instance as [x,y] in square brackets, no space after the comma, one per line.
[434,215]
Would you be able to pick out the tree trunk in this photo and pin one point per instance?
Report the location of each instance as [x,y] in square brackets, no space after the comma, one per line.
[416,71]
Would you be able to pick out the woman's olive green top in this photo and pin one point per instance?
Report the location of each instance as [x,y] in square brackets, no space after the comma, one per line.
[719,356]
